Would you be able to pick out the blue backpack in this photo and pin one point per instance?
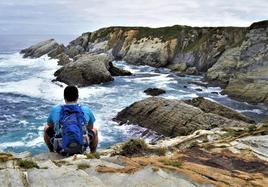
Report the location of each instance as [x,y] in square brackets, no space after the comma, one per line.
[72,122]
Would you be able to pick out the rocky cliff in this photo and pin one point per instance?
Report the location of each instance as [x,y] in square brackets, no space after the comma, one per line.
[244,69]
[232,57]
[159,47]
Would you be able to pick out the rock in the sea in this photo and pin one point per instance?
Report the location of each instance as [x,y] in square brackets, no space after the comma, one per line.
[63,59]
[50,47]
[191,71]
[216,93]
[199,83]
[87,70]
[115,71]
[171,117]
[180,67]
[154,91]
[216,108]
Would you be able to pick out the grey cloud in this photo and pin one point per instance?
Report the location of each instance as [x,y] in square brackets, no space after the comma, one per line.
[77,16]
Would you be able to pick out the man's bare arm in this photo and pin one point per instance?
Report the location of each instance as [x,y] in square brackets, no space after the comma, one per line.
[90,126]
[50,125]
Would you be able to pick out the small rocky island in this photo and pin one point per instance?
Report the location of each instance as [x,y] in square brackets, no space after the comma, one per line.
[204,144]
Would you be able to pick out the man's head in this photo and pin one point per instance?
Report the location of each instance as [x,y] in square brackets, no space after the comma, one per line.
[70,94]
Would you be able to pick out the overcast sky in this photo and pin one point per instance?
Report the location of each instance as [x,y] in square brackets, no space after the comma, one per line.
[78,16]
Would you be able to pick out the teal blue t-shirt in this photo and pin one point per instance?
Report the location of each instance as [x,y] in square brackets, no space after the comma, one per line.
[54,117]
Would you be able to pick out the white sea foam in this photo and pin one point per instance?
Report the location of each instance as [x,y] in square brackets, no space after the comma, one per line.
[39,85]
[23,122]
[16,60]
[256,111]
[33,87]
[97,91]
[161,80]
[32,143]
[107,99]
[3,146]
[35,142]
[171,97]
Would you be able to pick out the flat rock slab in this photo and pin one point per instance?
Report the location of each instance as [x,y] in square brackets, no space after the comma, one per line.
[146,177]
[258,144]
[171,117]
[61,177]
[216,108]
[48,156]
[11,177]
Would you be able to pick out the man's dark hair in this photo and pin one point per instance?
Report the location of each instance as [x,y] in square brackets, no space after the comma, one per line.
[71,93]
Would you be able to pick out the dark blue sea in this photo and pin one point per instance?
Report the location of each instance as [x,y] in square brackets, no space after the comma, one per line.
[27,94]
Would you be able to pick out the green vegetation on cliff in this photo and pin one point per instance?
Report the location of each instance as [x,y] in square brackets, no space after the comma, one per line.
[27,164]
[164,33]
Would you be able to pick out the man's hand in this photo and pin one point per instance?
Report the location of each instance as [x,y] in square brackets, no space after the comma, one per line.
[47,136]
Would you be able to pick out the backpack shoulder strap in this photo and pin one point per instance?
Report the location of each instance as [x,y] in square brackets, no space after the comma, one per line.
[61,115]
[82,114]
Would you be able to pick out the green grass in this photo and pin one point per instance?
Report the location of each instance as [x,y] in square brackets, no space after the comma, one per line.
[231,132]
[27,164]
[163,33]
[6,154]
[172,163]
[193,144]
[138,147]
[252,128]
[5,157]
[155,169]
[159,151]
[134,147]
[83,166]
[265,124]
[208,146]
[93,155]
[59,163]
[194,46]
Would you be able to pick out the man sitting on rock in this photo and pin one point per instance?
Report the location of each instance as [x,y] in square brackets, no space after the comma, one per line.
[70,127]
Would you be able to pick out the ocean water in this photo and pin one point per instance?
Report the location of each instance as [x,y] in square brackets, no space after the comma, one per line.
[27,95]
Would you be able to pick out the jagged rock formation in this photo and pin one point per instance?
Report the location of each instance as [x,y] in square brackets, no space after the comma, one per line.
[233,57]
[171,117]
[87,70]
[50,47]
[192,50]
[193,46]
[83,70]
[244,69]
[115,71]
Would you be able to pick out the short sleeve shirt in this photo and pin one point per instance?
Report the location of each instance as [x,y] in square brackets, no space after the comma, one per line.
[54,117]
